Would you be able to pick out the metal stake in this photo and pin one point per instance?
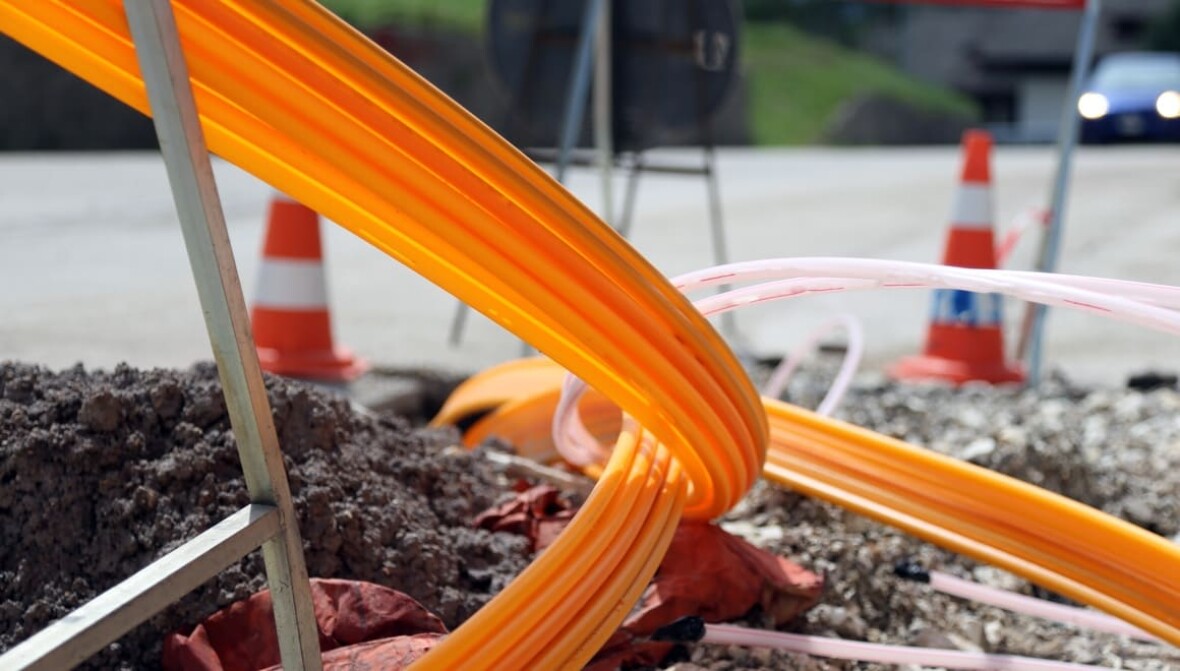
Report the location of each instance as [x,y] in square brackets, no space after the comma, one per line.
[603,131]
[182,143]
[1032,329]
[630,195]
[575,101]
[717,227]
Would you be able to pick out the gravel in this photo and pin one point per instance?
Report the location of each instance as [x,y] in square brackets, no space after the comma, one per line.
[1117,450]
[102,472]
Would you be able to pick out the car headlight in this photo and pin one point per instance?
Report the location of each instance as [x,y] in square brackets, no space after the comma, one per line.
[1093,105]
[1168,104]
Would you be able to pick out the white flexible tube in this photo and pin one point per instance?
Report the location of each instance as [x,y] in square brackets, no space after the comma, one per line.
[1019,603]
[1143,304]
[573,442]
[1160,295]
[827,273]
[778,379]
[727,634]
[1139,303]
[900,274]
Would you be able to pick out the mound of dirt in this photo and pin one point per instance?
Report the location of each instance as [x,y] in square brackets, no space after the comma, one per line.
[101,473]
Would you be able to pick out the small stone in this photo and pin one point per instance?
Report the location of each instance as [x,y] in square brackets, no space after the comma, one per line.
[993,633]
[1139,510]
[978,449]
[844,621]
[933,638]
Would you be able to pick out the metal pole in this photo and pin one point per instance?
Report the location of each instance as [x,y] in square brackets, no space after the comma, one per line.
[186,157]
[575,101]
[1032,329]
[631,193]
[603,132]
[458,321]
[717,227]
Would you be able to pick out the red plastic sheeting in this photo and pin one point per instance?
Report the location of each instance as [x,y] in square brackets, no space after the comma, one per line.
[361,625]
[1010,4]
[538,513]
[706,572]
[717,576]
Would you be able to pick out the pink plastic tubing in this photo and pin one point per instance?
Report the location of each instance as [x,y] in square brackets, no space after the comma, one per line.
[1135,302]
[1018,603]
[573,442]
[778,379]
[726,634]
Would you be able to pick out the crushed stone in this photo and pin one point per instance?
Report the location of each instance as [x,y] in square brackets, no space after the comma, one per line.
[1115,449]
[132,463]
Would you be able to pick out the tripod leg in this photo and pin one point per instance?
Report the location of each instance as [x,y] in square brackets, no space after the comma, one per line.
[630,196]
[717,227]
[457,324]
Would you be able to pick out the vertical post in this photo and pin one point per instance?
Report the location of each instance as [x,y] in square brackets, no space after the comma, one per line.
[717,228]
[1032,329]
[603,132]
[458,321]
[575,100]
[182,143]
[631,193]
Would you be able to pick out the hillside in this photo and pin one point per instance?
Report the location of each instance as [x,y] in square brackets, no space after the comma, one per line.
[795,81]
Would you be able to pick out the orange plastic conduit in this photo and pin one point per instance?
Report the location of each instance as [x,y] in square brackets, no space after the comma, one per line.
[291,94]
[1049,539]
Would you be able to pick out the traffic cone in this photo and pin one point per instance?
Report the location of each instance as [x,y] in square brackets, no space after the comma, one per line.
[290,318]
[965,339]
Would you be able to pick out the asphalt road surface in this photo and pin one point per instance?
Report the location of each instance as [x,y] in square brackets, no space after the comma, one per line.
[93,269]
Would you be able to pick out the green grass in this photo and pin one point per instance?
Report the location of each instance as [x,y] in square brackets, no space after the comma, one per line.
[461,15]
[796,82]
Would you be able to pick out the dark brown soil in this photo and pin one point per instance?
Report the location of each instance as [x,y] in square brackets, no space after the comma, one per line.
[100,473]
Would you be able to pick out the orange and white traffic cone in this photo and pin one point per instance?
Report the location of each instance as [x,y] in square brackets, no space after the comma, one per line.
[965,339]
[290,317]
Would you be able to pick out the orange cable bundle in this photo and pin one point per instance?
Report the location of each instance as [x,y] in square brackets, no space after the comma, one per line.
[290,93]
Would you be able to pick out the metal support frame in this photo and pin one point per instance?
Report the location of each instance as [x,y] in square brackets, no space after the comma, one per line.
[69,641]
[639,165]
[1032,330]
[603,101]
[270,520]
[592,56]
[575,99]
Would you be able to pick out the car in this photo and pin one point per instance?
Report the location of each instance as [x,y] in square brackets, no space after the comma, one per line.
[1132,97]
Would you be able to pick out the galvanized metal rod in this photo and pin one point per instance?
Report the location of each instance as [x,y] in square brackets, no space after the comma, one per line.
[717,228]
[575,101]
[186,157]
[69,641]
[458,321]
[1032,331]
[594,40]
[630,195]
[603,132]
